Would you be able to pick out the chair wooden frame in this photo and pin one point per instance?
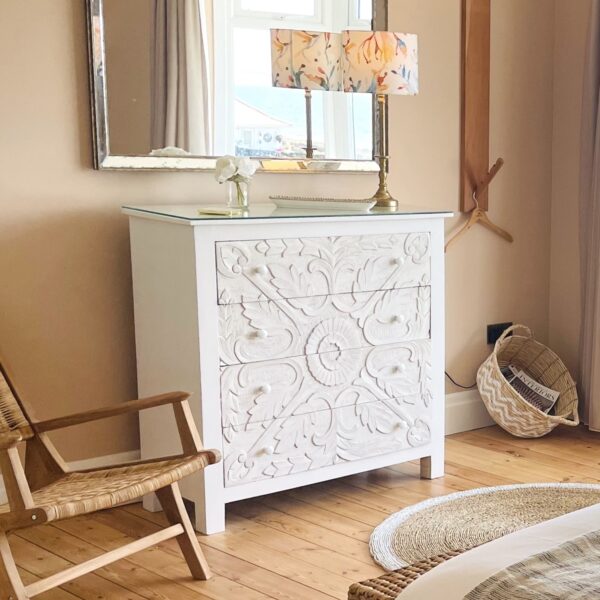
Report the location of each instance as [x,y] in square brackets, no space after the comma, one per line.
[45,467]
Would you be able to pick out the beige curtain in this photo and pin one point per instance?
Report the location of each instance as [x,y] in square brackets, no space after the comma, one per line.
[590,228]
[181,96]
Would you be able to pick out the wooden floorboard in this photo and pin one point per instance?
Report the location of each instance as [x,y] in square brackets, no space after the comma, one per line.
[304,544]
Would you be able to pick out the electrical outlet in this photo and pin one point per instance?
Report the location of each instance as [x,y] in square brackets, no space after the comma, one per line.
[495,331]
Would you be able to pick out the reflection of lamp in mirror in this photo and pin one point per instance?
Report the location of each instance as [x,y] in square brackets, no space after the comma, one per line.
[381,63]
[309,60]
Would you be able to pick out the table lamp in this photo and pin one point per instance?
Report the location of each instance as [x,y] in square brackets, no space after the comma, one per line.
[309,60]
[381,63]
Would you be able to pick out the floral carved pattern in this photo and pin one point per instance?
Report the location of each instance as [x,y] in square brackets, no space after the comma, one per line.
[280,419]
[259,331]
[293,268]
[325,351]
[327,362]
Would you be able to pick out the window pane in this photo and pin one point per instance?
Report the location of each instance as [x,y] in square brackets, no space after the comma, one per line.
[365,10]
[269,122]
[363,126]
[288,7]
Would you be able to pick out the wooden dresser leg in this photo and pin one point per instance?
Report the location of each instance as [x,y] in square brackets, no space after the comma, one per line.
[208,498]
[172,504]
[210,517]
[11,586]
[432,467]
[151,503]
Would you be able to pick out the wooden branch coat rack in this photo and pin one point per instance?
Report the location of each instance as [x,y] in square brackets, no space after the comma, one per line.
[475,144]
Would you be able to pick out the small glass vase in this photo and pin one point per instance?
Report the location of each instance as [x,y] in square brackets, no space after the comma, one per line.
[238,195]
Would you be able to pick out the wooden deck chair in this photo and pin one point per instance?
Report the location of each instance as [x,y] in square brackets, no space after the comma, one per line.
[45,490]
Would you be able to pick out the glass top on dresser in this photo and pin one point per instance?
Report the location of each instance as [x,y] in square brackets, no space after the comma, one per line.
[191,212]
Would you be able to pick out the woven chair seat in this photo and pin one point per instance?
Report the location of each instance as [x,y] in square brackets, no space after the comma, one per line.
[80,493]
[45,490]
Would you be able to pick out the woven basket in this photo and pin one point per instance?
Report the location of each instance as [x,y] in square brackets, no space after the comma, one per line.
[506,406]
[391,585]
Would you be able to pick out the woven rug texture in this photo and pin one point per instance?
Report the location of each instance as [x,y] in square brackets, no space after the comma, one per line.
[468,519]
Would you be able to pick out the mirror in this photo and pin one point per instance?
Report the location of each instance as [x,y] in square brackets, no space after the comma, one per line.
[176,83]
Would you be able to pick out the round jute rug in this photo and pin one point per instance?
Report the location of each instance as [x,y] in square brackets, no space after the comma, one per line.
[467,519]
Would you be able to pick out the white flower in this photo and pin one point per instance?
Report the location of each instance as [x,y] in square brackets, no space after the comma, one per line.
[226,169]
[230,168]
[246,167]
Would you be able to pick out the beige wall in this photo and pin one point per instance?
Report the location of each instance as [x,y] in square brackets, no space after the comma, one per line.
[66,327]
[565,293]
[489,281]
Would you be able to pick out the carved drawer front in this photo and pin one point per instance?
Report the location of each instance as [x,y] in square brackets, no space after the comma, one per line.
[295,268]
[259,331]
[314,439]
[266,391]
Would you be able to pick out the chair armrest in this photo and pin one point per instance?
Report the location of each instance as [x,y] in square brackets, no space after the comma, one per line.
[10,439]
[111,411]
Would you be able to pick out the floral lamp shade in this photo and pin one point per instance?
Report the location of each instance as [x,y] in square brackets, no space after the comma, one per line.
[310,60]
[281,57]
[380,62]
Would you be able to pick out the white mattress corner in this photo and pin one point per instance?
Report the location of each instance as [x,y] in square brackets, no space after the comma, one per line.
[454,579]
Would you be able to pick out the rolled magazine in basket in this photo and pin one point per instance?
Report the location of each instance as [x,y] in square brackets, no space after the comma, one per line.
[538,395]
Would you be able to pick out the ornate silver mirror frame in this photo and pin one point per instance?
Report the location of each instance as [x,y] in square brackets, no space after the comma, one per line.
[103,159]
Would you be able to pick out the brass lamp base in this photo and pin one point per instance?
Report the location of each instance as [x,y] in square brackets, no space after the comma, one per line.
[383,197]
[385,200]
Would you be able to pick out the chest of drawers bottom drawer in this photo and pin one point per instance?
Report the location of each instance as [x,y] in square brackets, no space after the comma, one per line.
[304,442]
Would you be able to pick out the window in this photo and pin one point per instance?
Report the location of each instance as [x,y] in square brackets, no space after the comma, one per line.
[365,10]
[360,13]
[304,8]
[252,117]
[275,116]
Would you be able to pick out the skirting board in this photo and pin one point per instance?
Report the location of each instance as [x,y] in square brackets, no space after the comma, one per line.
[464,412]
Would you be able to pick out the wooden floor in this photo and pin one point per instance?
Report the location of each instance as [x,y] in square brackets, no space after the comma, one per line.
[307,544]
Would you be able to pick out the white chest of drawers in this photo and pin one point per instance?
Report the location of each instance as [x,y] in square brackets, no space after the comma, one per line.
[313,344]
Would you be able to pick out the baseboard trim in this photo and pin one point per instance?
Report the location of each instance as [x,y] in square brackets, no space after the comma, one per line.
[90,463]
[465,411]
[105,461]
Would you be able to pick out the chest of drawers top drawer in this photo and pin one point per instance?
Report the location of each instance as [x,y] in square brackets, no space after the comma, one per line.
[276,269]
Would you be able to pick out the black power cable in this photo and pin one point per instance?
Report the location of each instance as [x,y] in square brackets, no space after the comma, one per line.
[464,387]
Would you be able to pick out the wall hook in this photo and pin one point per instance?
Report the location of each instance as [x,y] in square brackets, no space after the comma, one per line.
[478,214]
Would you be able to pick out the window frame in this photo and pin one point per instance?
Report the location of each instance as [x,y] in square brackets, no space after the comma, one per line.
[239,12]
[354,21]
